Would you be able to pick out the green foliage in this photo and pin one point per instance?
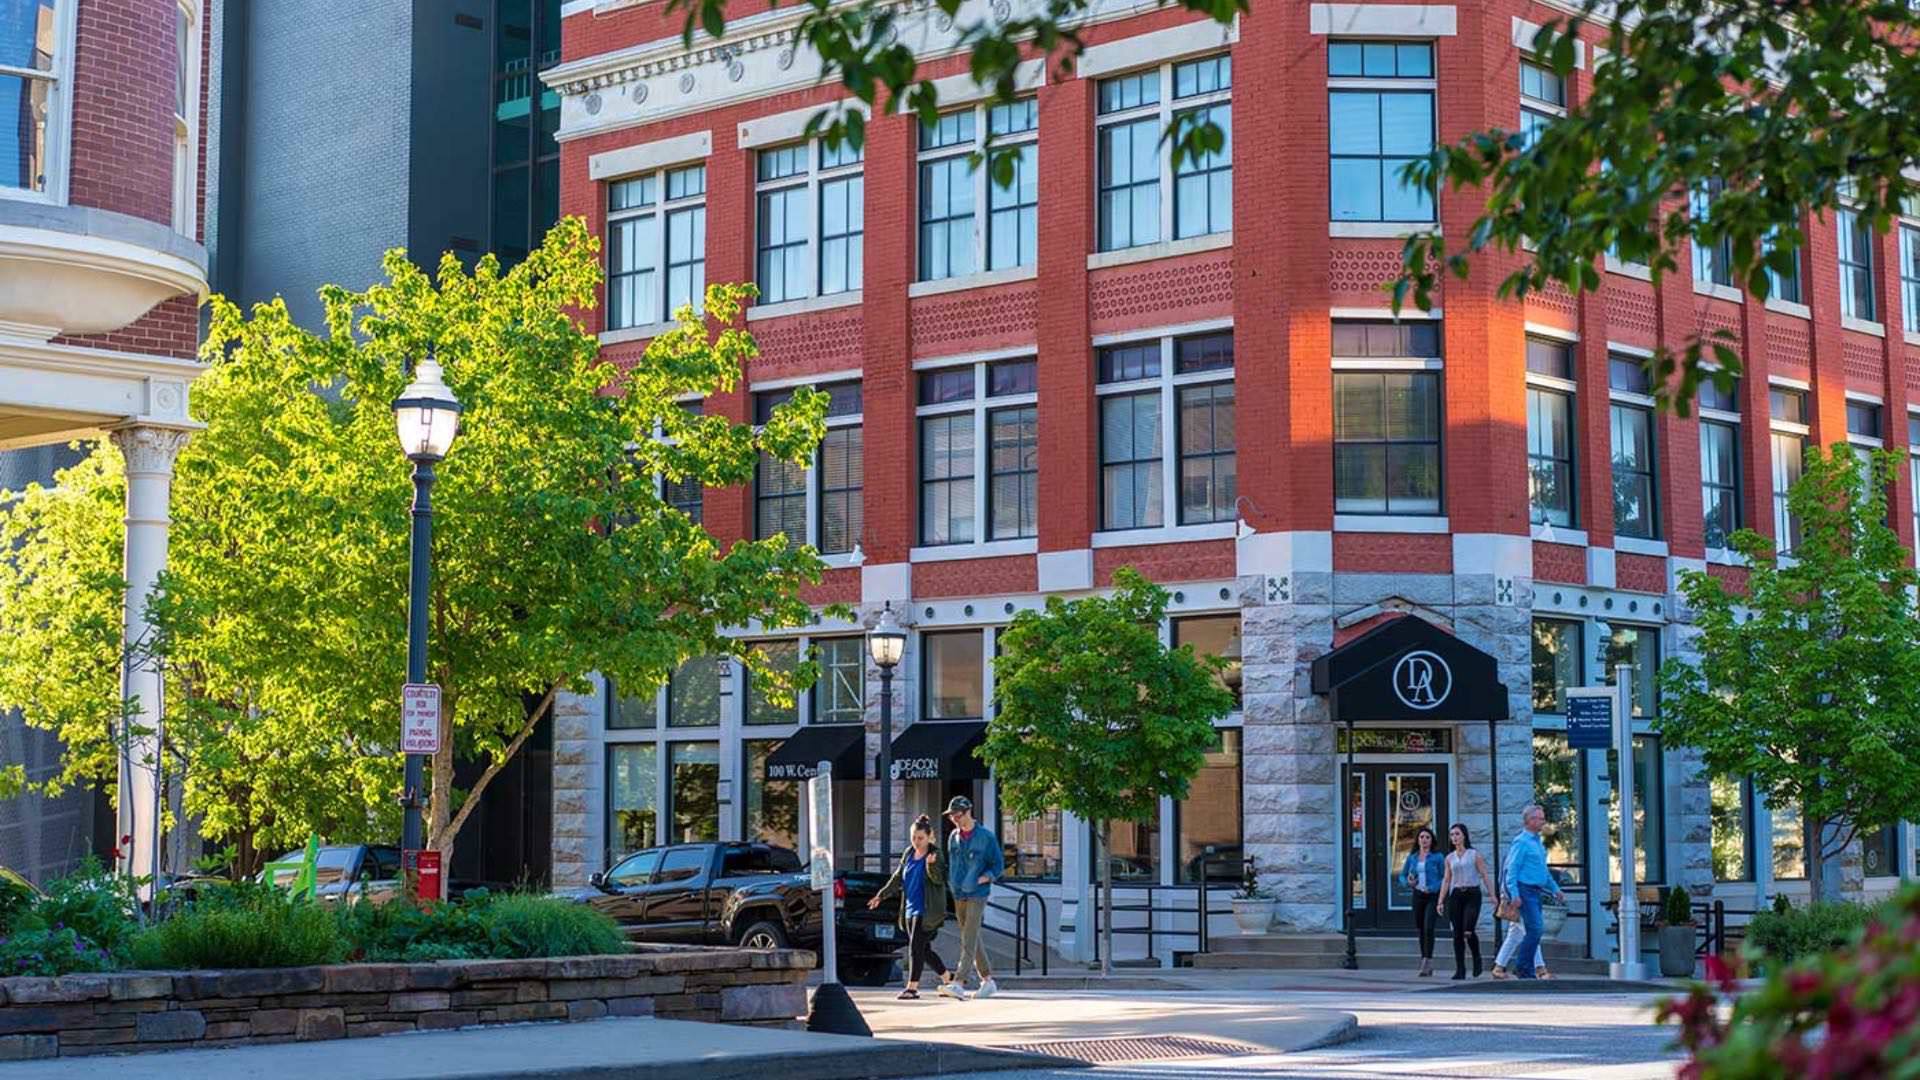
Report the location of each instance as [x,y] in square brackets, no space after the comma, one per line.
[1785,106]
[282,615]
[1805,680]
[1778,938]
[510,926]
[94,902]
[1844,1011]
[17,895]
[1678,907]
[44,951]
[242,926]
[1250,887]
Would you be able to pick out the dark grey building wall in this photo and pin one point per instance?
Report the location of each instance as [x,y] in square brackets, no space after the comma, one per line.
[452,118]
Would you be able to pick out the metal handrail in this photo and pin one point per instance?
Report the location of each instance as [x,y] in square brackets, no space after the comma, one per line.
[1022,922]
[1202,909]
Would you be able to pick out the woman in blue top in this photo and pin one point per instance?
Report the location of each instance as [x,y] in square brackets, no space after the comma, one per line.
[922,883]
[1423,872]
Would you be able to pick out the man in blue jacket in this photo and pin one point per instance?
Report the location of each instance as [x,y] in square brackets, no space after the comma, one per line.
[1529,882]
[974,862]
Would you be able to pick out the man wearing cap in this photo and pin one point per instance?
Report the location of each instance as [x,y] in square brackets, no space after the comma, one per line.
[974,860]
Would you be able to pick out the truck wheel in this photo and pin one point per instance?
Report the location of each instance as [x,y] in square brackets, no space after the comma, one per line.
[763,935]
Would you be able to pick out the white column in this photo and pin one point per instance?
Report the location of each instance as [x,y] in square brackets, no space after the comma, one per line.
[149,454]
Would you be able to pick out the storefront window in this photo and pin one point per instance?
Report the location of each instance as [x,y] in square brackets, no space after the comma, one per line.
[1209,826]
[1649,821]
[1732,829]
[1556,787]
[1789,844]
[693,694]
[1209,635]
[633,798]
[955,680]
[631,711]
[1880,851]
[772,806]
[1031,846]
[782,656]
[839,696]
[694,773]
[1136,853]
[1556,663]
[1640,647]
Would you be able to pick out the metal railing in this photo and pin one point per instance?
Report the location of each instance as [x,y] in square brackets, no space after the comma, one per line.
[1022,924]
[1201,908]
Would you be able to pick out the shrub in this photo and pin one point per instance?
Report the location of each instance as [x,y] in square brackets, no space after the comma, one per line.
[1854,1011]
[1679,908]
[94,902]
[17,895]
[51,952]
[513,926]
[524,925]
[242,926]
[1778,938]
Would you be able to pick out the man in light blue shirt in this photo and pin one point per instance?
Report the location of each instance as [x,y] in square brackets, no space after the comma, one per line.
[1529,882]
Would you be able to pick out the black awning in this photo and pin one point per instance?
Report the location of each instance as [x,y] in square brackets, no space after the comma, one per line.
[1409,670]
[799,757]
[939,750]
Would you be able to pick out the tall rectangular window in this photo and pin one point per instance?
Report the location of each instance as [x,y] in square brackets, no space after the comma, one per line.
[1785,284]
[1856,267]
[1380,119]
[693,776]
[1135,169]
[1910,276]
[1789,843]
[1712,262]
[1635,494]
[839,695]
[1556,662]
[1551,472]
[1913,474]
[781,656]
[1732,837]
[1013,470]
[656,246]
[633,799]
[1639,648]
[809,224]
[954,675]
[999,398]
[772,811]
[1789,445]
[1386,424]
[693,693]
[821,502]
[1208,826]
[955,237]
[1719,480]
[946,479]
[31,122]
[1140,384]
[1649,822]
[1557,787]
[1543,99]
[186,111]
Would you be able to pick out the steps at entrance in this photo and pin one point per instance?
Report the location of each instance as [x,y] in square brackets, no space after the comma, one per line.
[1310,951]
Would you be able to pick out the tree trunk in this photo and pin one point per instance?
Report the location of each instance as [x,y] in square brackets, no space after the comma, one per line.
[1106,898]
[440,787]
[445,830]
[1815,846]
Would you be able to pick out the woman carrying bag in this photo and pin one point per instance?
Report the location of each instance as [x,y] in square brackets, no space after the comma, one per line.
[922,883]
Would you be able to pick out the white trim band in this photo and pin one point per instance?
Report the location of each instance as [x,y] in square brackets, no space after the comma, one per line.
[1384,20]
[649,156]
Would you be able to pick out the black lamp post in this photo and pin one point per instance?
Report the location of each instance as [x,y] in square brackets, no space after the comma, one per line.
[886,643]
[427,416]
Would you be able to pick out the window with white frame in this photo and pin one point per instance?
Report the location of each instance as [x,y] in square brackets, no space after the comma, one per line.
[1386,417]
[1543,99]
[1719,462]
[1856,266]
[1146,478]
[1380,118]
[686,494]
[1913,472]
[1134,167]
[1910,275]
[1787,408]
[1712,262]
[809,220]
[955,238]
[956,405]
[186,116]
[822,505]
[1864,426]
[34,45]
[1636,490]
[1784,284]
[1552,475]
[656,245]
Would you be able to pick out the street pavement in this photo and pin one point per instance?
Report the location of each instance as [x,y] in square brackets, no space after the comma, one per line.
[1548,1036]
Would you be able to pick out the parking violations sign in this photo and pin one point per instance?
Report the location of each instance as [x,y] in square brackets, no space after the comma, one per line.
[820,822]
[420,718]
[1589,717]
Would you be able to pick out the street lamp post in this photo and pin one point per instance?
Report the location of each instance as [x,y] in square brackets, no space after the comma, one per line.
[886,643]
[427,416]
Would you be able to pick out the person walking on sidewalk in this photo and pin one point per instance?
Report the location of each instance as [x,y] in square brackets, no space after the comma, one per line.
[975,863]
[1460,898]
[1529,882]
[1508,910]
[1423,872]
[922,884]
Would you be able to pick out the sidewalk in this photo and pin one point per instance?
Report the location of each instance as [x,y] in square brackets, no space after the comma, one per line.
[628,1049]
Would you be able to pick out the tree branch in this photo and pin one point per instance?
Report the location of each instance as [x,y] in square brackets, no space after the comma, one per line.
[473,795]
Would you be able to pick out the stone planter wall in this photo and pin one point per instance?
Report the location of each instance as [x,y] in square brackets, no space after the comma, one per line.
[160,1010]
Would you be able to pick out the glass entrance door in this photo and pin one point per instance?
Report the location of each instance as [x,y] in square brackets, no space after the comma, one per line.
[1386,807]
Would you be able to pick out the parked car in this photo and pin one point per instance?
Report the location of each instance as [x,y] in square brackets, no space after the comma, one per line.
[750,894]
[364,871]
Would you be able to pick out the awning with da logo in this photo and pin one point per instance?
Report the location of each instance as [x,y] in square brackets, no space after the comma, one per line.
[1410,671]
[940,750]
[799,757]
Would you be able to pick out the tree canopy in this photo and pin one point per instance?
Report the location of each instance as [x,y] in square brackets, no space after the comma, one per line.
[281,620]
[1805,678]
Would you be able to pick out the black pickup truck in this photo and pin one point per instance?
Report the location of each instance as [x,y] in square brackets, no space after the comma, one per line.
[751,894]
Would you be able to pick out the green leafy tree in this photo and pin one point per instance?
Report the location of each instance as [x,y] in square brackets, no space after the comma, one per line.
[1805,680]
[282,617]
[1098,717]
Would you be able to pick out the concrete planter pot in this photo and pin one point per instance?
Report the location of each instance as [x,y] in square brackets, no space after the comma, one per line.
[1553,917]
[1676,951]
[1253,916]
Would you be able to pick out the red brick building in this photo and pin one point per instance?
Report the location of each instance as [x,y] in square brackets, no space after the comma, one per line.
[1193,371]
[102,268]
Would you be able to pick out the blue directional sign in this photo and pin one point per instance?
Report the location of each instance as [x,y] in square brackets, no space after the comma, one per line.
[1589,722]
